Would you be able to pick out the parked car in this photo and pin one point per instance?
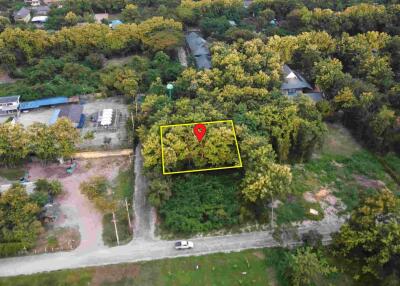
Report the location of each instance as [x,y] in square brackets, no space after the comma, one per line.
[183,244]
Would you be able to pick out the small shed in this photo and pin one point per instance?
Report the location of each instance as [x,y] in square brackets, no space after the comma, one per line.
[115,23]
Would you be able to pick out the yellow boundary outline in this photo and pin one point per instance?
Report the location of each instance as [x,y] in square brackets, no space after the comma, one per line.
[200,170]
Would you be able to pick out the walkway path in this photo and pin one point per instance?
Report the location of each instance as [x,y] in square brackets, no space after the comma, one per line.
[103,154]
[144,213]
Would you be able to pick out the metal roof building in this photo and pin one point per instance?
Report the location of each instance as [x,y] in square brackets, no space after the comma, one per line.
[28,105]
[199,49]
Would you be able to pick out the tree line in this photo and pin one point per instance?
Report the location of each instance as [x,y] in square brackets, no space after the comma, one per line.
[19,46]
[45,142]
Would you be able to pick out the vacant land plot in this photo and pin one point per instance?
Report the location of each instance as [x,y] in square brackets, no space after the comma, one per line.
[342,168]
[251,267]
[76,210]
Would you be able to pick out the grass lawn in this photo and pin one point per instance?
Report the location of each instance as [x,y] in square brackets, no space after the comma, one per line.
[251,267]
[341,166]
[242,268]
[124,186]
[12,174]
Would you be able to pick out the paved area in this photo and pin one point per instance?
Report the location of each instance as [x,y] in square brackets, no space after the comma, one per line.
[113,136]
[144,213]
[143,250]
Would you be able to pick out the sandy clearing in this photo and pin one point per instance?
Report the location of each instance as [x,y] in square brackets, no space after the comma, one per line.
[76,209]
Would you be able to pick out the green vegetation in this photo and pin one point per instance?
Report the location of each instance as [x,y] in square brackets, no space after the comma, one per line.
[369,241]
[123,190]
[12,174]
[251,267]
[46,142]
[201,202]
[19,224]
[182,150]
[343,167]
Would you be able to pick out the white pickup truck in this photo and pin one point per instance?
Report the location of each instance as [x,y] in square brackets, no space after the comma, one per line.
[183,244]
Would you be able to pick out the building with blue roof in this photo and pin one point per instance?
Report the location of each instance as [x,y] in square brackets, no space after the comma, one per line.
[34,104]
[115,23]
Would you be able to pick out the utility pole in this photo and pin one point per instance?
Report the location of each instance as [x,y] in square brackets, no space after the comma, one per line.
[115,226]
[127,212]
[272,211]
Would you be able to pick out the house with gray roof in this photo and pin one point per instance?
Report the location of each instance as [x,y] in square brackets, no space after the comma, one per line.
[9,104]
[73,112]
[22,15]
[41,10]
[199,49]
[294,84]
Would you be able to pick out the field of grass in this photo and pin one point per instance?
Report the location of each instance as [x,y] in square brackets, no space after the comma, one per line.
[266,267]
[343,167]
[12,174]
[242,268]
[124,186]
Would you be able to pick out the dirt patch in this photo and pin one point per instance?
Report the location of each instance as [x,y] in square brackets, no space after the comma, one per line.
[58,239]
[113,274]
[259,255]
[5,78]
[76,210]
[272,277]
[369,183]
[339,141]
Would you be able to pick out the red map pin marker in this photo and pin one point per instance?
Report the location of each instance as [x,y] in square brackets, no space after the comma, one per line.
[199,130]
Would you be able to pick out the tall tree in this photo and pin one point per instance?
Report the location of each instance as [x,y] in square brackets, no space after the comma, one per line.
[14,143]
[370,240]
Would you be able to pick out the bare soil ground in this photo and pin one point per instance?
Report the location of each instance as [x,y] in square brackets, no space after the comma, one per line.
[76,210]
[339,141]
[67,238]
[5,78]
[113,274]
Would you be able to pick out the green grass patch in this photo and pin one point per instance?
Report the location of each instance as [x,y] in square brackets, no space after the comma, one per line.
[123,189]
[12,174]
[393,162]
[297,210]
[225,269]
[343,167]
[202,203]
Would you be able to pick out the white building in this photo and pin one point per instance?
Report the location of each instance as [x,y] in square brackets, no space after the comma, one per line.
[9,105]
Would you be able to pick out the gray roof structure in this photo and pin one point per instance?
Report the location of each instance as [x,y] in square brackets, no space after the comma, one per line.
[41,10]
[199,49]
[293,80]
[7,99]
[72,112]
[21,13]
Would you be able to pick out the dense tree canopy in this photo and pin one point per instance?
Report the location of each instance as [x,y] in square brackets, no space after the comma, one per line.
[369,241]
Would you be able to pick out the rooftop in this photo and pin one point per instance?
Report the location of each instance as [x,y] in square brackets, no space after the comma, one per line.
[72,112]
[199,49]
[293,80]
[22,13]
[7,99]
